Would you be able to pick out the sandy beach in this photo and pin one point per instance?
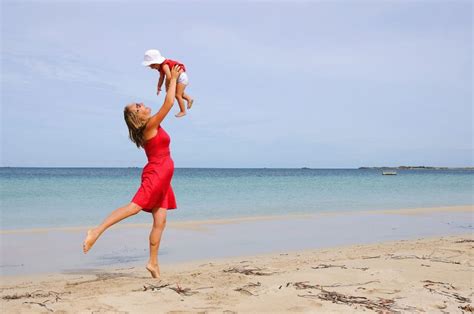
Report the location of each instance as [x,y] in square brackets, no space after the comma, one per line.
[431,274]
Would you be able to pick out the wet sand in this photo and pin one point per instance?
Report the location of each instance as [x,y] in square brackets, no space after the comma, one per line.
[198,225]
[60,249]
[433,275]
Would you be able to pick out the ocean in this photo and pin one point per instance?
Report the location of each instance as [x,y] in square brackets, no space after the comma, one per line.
[66,197]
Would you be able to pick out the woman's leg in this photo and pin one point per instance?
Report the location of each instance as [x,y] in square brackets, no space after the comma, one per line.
[179,97]
[159,223]
[114,217]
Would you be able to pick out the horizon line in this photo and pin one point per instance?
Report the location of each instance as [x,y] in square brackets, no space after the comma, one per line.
[303,167]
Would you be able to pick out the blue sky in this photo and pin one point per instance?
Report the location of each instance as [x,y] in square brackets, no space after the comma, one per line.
[324,84]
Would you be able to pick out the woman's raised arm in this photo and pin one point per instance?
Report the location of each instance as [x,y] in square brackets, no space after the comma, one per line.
[157,118]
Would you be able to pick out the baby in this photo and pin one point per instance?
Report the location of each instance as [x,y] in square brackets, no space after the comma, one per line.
[155,60]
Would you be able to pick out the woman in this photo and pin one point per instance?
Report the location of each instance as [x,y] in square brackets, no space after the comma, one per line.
[155,194]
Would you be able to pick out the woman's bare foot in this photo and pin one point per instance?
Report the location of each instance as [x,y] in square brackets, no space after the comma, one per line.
[180,114]
[190,103]
[91,237]
[154,270]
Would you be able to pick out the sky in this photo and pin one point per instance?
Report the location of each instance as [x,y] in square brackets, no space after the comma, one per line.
[321,84]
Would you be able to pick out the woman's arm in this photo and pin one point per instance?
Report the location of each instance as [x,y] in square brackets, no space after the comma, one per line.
[156,119]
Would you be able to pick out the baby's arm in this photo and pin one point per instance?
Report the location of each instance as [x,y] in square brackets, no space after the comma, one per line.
[160,83]
[167,71]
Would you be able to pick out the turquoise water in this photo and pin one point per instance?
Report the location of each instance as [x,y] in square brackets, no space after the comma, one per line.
[58,197]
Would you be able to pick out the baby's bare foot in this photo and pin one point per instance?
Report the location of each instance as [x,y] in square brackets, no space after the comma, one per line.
[154,270]
[91,237]
[180,114]
[190,103]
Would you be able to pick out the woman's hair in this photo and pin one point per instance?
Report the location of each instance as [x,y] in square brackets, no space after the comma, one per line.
[136,127]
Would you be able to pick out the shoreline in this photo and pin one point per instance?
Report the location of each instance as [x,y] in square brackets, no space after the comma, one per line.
[166,265]
[125,246]
[423,274]
[199,224]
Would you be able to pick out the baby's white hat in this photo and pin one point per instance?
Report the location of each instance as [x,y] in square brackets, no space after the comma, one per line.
[153,56]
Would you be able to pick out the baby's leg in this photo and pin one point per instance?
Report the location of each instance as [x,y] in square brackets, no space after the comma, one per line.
[189,100]
[179,97]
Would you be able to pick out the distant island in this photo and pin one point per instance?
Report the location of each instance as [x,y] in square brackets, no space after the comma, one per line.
[420,168]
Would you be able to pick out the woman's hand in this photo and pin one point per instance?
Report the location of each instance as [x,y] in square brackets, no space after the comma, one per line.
[175,72]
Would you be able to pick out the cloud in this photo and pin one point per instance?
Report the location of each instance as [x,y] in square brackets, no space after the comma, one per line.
[27,69]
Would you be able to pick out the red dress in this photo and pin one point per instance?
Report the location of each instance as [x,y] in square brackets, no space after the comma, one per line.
[155,190]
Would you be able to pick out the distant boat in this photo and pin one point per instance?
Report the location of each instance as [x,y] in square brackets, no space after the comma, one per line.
[389,173]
